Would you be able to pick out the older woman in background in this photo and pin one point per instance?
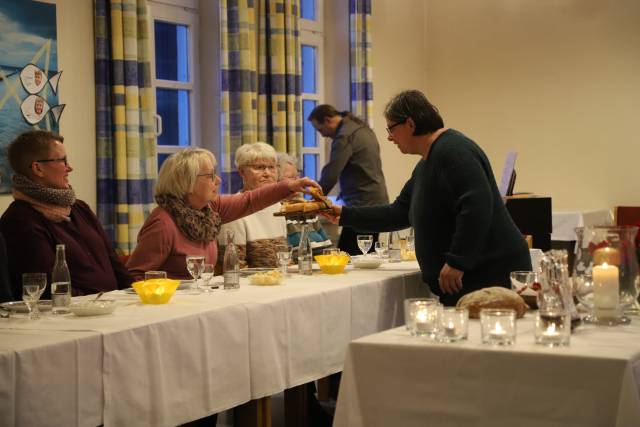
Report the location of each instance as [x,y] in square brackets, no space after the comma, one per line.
[190,213]
[259,234]
[288,169]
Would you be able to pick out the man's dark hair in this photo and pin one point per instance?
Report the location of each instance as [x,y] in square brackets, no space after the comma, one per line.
[30,146]
[413,104]
[324,111]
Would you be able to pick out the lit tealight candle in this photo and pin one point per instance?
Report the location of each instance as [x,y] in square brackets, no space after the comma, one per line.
[450,329]
[551,331]
[421,320]
[497,331]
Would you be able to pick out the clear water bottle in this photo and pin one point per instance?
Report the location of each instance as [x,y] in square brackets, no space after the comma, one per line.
[395,247]
[60,283]
[231,264]
[305,254]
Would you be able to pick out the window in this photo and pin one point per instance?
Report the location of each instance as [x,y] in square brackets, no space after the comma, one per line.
[312,88]
[175,38]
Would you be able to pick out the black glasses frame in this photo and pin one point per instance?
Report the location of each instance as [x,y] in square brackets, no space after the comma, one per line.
[61,159]
[390,128]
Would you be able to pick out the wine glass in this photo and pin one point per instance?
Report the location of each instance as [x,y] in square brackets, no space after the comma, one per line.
[195,265]
[364,243]
[207,276]
[382,250]
[33,286]
[284,257]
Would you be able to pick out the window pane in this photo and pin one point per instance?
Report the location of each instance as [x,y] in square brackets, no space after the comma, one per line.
[308,9]
[161,158]
[172,51]
[308,69]
[309,134]
[310,165]
[173,107]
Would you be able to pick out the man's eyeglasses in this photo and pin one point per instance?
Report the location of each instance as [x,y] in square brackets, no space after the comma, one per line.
[262,168]
[390,128]
[61,159]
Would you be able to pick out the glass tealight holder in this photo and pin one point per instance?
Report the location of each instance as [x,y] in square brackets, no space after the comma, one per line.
[498,326]
[553,328]
[425,319]
[408,321]
[454,324]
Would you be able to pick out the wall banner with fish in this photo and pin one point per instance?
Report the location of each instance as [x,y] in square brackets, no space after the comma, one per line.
[29,74]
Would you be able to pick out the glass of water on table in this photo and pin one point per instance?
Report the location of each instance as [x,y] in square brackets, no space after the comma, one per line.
[195,265]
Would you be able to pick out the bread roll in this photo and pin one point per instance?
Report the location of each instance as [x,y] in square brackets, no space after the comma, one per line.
[494,297]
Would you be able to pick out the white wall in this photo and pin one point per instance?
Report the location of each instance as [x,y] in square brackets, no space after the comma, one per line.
[77,90]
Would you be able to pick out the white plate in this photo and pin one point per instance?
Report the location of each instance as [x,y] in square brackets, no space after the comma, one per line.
[21,306]
[93,308]
[366,262]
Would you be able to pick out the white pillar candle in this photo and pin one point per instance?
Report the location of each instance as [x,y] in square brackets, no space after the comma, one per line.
[606,286]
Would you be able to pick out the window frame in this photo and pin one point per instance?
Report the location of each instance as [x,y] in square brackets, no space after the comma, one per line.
[312,34]
[179,12]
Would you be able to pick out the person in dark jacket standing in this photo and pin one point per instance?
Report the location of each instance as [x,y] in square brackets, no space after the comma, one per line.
[354,162]
[465,237]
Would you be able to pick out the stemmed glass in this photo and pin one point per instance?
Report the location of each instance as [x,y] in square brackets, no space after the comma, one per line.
[195,265]
[284,257]
[364,243]
[33,286]
[207,276]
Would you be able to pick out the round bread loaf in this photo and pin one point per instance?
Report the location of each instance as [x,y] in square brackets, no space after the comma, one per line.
[493,297]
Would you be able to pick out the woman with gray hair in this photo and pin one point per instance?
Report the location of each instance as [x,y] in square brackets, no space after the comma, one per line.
[465,237]
[190,213]
[258,235]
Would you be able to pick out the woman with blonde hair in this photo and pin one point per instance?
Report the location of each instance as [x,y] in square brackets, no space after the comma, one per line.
[258,235]
[191,212]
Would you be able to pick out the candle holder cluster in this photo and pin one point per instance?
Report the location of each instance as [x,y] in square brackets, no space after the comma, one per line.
[427,318]
[605,276]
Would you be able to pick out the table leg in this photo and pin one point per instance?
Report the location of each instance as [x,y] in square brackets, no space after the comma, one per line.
[255,413]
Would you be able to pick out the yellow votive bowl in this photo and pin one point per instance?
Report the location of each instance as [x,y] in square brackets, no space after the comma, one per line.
[156,291]
[332,264]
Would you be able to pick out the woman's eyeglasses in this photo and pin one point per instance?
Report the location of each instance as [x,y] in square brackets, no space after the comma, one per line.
[390,128]
[211,176]
[262,168]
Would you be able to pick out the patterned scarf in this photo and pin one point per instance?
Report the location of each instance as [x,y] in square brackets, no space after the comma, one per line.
[198,225]
[54,203]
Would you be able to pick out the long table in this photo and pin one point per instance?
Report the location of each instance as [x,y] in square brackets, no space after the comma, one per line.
[162,365]
[391,378]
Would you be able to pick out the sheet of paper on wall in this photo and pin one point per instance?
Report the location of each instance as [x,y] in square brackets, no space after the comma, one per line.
[507,173]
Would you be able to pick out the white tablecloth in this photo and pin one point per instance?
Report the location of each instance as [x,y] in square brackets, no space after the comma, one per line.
[391,378]
[197,355]
[565,223]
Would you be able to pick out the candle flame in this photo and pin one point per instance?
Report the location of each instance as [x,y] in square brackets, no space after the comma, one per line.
[451,325]
[498,328]
[551,328]
[421,316]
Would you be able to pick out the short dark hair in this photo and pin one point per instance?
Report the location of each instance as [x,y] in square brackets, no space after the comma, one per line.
[324,111]
[415,105]
[29,147]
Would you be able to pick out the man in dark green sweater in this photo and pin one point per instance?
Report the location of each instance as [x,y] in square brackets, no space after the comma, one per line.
[465,238]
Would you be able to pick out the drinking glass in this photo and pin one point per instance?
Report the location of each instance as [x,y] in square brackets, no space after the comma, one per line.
[382,250]
[195,265]
[411,240]
[154,275]
[207,276]
[284,257]
[33,286]
[364,243]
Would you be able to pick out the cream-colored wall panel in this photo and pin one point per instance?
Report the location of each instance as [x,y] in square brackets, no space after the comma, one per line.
[77,91]
[556,81]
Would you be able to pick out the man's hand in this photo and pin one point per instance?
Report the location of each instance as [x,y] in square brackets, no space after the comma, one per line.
[334,215]
[450,279]
[301,184]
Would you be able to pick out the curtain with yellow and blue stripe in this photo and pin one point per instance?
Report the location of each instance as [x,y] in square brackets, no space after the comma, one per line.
[360,59]
[260,84]
[125,135]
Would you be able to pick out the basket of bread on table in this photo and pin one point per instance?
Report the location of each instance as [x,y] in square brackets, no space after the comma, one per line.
[301,209]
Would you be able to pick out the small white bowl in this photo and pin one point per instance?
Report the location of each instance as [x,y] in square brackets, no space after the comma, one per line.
[93,308]
[366,262]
